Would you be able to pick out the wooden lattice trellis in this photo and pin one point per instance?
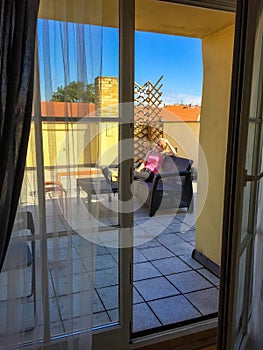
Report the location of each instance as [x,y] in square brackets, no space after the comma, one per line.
[148,126]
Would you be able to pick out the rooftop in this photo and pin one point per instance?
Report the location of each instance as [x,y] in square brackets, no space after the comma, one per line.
[170,113]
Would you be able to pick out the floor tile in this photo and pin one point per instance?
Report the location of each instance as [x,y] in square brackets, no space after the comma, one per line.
[140,221]
[114,315]
[206,301]
[80,323]
[136,297]
[169,239]
[181,248]
[174,309]
[63,267]
[165,303]
[78,304]
[140,237]
[137,256]
[97,304]
[190,261]
[210,276]
[144,270]
[108,236]
[143,318]
[101,250]
[64,285]
[89,263]
[85,248]
[152,243]
[188,236]
[170,266]
[154,228]
[186,226]
[54,310]
[155,288]
[39,289]
[107,277]
[189,281]
[109,297]
[156,253]
[114,252]
[100,319]
[190,219]
[165,220]
[59,242]
[62,254]
[175,227]
[166,231]
[104,262]
[56,328]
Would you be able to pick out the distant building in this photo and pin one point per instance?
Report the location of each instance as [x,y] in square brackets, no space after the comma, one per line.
[178,112]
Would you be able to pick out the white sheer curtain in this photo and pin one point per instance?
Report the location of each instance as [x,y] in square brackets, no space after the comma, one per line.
[62,147]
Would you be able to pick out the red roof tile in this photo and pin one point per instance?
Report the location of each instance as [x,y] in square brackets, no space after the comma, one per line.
[181,113]
[71,109]
[78,109]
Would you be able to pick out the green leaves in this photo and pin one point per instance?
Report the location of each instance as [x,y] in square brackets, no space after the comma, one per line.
[75,92]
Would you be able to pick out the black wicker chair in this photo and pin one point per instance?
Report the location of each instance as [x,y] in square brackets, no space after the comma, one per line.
[171,187]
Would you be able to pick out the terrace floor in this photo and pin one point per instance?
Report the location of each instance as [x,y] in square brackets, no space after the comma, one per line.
[169,285]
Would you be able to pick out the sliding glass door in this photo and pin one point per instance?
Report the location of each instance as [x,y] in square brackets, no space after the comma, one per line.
[78,186]
[80,136]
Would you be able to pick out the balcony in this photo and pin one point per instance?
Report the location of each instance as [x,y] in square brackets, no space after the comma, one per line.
[169,286]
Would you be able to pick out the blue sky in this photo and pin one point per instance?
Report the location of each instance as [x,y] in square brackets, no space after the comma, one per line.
[178,59]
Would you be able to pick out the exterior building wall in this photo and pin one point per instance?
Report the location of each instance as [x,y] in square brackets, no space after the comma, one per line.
[184,136]
[217,61]
[63,143]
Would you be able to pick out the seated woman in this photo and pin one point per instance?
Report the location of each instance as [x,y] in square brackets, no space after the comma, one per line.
[168,149]
[153,160]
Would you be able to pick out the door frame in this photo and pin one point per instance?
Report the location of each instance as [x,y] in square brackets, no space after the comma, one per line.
[236,178]
[119,336]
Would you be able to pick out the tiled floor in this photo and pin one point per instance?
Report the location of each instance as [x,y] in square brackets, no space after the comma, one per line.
[169,286]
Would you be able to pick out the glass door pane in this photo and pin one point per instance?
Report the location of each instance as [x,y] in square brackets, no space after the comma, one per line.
[74,137]
[246,178]
[169,284]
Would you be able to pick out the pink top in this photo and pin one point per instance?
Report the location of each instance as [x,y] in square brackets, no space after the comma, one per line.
[153,161]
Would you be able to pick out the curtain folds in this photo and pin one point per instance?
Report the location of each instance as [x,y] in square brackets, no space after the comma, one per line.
[50,290]
[18,20]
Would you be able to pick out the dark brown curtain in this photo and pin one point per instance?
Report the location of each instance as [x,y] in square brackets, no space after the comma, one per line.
[17,42]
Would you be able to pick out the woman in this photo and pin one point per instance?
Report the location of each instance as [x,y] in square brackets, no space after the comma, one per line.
[153,160]
[168,149]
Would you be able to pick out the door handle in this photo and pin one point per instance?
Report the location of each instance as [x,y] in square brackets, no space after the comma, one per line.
[254,177]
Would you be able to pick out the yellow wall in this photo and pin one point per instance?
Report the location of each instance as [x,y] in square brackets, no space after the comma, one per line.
[75,143]
[185,137]
[217,61]
[54,144]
